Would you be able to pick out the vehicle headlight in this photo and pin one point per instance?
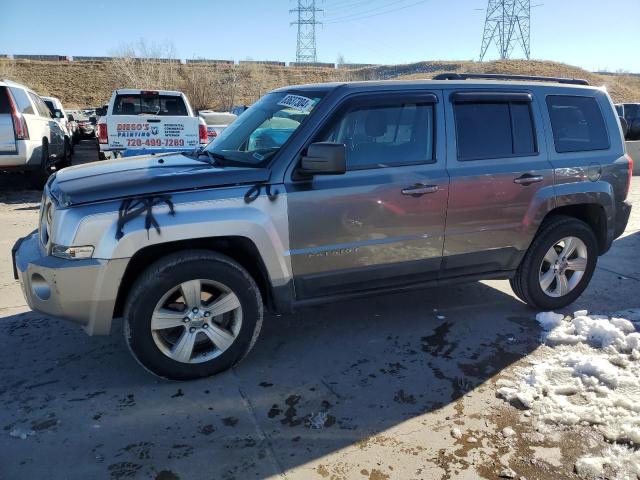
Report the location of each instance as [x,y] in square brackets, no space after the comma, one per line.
[72,253]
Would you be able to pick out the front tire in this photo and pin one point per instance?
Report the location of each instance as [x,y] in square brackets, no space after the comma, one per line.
[192,314]
[559,264]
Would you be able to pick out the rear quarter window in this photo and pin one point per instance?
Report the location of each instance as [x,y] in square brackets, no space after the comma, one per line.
[22,100]
[5,106]
[137,104]
[577,124]
[41,107]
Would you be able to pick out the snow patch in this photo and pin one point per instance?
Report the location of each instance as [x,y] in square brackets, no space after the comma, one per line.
[588,374]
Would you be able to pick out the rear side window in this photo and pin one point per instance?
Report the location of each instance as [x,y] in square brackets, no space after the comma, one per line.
[577,124]
[136,104]
[494,130]
[22,100]
[49,104]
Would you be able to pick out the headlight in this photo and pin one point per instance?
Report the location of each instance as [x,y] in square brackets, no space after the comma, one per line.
[72,253]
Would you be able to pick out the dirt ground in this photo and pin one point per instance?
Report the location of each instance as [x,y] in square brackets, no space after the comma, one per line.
[394,387]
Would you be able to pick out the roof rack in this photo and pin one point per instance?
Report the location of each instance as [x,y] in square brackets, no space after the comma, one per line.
[498,76]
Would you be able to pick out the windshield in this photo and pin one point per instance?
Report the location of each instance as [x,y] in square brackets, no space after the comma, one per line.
[256,135]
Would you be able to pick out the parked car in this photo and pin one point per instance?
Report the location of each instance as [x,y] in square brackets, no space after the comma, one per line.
[58,112]
[216,122]
[630,120]
[190,248]
[73,125]
[31,140]
[149,121]
[99,113]
[87,127]
[631,113]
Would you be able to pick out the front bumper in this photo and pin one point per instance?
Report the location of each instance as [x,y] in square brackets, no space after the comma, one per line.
[622,218]
[82,291]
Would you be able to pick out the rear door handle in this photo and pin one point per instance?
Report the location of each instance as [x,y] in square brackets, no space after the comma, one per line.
[528,179]
[420,189]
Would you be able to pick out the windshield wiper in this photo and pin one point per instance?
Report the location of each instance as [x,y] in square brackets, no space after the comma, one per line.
[217,158]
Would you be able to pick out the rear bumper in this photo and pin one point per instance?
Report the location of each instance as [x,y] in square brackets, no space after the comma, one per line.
[82,291]
[27,156]
[622,218]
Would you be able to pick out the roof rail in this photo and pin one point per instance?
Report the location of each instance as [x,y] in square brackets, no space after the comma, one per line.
[499,76]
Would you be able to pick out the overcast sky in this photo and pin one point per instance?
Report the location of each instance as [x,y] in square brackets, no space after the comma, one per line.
[593,34]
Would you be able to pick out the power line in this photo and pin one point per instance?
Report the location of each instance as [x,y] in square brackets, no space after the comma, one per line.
[506,25]
[306,44]
[364,15]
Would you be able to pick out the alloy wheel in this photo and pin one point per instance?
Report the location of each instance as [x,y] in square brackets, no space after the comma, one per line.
[563,267]
[196,321]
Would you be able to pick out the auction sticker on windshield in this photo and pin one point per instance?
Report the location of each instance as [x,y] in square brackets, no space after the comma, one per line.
[297,102]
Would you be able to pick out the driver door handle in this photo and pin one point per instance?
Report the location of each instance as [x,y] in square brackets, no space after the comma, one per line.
[419,189]
[528,179]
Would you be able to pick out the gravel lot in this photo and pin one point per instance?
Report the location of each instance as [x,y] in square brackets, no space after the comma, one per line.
[395,387]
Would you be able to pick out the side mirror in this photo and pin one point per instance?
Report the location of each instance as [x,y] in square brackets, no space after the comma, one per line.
[633,132]
[324,158]
[57,113]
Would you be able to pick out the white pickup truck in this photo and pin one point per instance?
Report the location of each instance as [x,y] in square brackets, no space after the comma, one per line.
[139,122]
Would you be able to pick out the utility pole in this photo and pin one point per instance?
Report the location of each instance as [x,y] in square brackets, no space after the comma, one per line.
[306,47]
[507,24]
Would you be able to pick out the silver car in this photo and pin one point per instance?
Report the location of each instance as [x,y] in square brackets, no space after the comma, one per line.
[328,192]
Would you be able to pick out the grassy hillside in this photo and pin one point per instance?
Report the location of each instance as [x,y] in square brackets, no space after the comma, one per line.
[80,84]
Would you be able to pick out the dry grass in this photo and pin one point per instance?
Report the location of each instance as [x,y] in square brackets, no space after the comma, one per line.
[80,84]
[622,88]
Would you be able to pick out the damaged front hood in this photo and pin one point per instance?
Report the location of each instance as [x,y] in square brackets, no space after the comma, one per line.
[143,176]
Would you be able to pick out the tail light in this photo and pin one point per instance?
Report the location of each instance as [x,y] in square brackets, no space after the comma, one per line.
[630,174]
[202,129]
[103,133]
[20,129]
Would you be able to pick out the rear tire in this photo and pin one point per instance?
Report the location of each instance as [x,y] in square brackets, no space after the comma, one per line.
[192,314]
[38,177]
[66,158]
[559,264]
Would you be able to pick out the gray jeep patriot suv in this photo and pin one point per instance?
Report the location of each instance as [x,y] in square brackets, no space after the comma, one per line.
[331,191]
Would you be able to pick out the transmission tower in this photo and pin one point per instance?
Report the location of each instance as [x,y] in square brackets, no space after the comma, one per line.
[306,49]
[507,25]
